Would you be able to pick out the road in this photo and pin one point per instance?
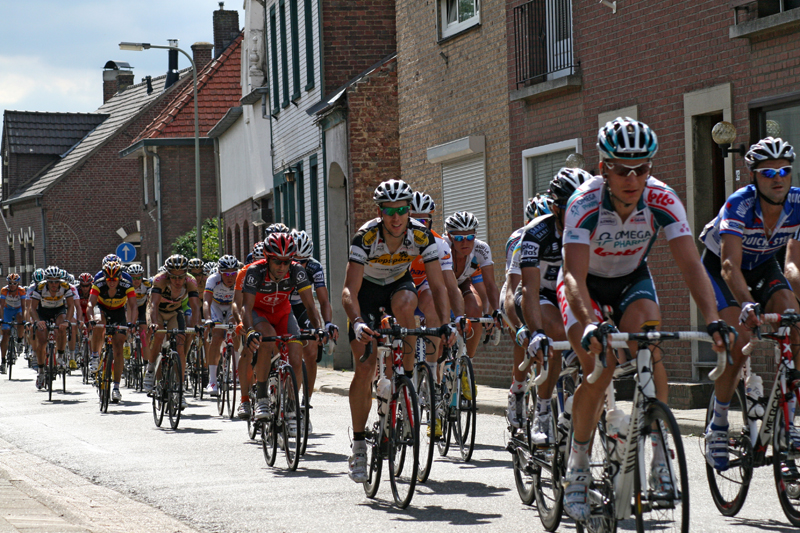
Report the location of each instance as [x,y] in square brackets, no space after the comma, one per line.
[210,477]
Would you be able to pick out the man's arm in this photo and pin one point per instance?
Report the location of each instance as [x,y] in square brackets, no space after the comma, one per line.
[354,274]
[133,310]
[433,271]
[324,304]
[194,305]
[247,307]
[90,306]
[731,259]
[531,310]
[694,273]
[492,293]
[208,297]
[453,293]
[576,268]
[792,268]
[152,309]
[512,280]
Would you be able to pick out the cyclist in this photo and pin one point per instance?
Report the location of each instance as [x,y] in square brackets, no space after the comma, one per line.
[72,331]
[112,302]
[377,277]
[315,272]
[12,297]
[217,303]
[166,297]
[266,311]
[141,287]
[740,257]
[197,271]
[537,261]
[611,222]
[37,278]
[53,302]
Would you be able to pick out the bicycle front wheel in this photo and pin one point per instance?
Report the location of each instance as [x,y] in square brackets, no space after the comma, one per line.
[784,462]
[222,382]
[159,402]
[661,479]
[104,376]
[11,355]
[729,488]
[304,412]
[233,384]
[404,442]
[550,468]
[174,390]
[466,409]
[429,428]
[290,410]
[51,371]
[374,438]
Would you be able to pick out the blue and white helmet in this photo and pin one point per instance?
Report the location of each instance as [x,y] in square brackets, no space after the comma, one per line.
[767,149]
[626,138]
[538,205]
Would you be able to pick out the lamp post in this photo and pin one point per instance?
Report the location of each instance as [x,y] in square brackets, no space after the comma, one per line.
[138,47]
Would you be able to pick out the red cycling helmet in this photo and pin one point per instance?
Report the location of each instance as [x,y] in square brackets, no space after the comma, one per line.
[112,270]
[86,278]
[280,245]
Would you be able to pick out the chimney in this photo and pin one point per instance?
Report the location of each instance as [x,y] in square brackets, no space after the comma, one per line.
[201,54]
[226,28]
[117,75]
[172,65]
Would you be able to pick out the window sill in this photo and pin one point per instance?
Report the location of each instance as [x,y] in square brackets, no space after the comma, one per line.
[782,23]
[459,33]
[548,89]
[309,86]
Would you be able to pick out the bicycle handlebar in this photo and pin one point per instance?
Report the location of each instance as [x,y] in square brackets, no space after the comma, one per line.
[784,319]
[398,331]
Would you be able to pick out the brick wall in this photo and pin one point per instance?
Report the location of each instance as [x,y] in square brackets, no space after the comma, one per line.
[226,29]
[451,90]
[23,216]
[240,218]
[357,35]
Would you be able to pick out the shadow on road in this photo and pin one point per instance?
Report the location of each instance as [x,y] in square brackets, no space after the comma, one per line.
[465,488]
[431,513]
[765,525]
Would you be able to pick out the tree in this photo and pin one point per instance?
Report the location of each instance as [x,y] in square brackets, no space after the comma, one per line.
[186,244]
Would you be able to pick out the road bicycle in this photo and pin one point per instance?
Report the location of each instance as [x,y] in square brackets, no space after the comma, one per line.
[751,435]
[83,351]
[134,363]
[393,430]
[196,366]
[167,391]
[52,367]
[638,462]
[227,373]
[14,345]
[104,374]
[284,413]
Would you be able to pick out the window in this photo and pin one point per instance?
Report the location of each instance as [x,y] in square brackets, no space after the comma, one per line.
[464,189]
[284,55]
[238,237]
[273,34]
[543,41]
[458,15]
[784,123]
[295,50]
[314,203]
[309,45]
[540,164]
[301,198]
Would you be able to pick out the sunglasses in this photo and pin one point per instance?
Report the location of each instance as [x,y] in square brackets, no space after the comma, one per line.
[282,262]
[229,273]
[624,170]
[459,238]
[177,276]
[771,173]
[86,285]
[136,278]
[112,279]
[422,220]
[392,211]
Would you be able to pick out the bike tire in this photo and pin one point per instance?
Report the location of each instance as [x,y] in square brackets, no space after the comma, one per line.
[157,394]
[373,434]
[784,466]
[11,355]
[445,412]
[522,456]
[105,383]
[222,384]
[290,410]
[305,413]
[85,362]
[404,442]
[466,409]
[138,367]
[653,510]
[175,390]
[233,384]
[426,397]
[269,440]
[201,368]
[603,517]
[729,488]
[549,490]
[51,369]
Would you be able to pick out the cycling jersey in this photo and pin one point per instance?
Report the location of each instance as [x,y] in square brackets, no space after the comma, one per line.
[741,216]
[417,267]
[540,247]
[13,298]
[272,297]
[52,300]
[142,291]
[29,290]
[117,300]
[172,302]
[317,276]
[222,295]
[618,248]
[381,267]
[479,257]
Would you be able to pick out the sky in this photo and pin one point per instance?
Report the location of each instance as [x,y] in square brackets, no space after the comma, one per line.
[52,52]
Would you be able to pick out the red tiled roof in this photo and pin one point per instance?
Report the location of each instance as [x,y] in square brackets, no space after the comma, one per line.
[218,89]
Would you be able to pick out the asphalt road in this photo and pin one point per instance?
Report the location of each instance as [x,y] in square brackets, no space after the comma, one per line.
[211,477]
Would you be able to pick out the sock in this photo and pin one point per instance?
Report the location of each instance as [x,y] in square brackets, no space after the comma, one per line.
[151,367]
[95,355]
[720,419]
[245,398]
[359,445]
[517,387]
[212,374]
[579,458]
[658,451]
[116,385]
[542,406]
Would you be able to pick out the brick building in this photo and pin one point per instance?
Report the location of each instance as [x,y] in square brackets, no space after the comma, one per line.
[82,201]
[719,63]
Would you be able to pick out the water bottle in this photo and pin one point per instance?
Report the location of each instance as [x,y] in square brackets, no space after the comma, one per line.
[126,351]
[384,390]
[617,425]
[754,390]
[565,424]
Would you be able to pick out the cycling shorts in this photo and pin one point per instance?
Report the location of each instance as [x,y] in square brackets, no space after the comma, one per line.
[371,297]
[10,315]
[113,317]
[220,313]
[546,297]
[283,322]
[171,320]
[301,315]
[142,312]
[764,281]
[51,313]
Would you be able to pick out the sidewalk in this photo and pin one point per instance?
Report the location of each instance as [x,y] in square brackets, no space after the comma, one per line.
[493,400]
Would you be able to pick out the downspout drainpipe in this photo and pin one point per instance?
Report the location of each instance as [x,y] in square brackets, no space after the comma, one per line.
[44,237]
[157,191]
[220,233]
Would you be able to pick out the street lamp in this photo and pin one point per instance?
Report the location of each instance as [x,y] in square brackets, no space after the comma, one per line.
[138,47]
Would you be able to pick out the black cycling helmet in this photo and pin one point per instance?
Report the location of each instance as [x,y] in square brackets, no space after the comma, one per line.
[564,184]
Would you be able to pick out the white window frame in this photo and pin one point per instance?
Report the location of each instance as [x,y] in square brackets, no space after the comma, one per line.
[452,29]
[574,144]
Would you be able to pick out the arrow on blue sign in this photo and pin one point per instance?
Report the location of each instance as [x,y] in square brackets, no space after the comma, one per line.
[127,252]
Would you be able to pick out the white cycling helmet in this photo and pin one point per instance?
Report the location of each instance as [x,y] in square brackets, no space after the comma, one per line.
[626,138]
[136,270]
[461,221]
[228,262]
[258,251]
[52,272]
[767,149]
[305,247]
[392,191]
[422,203]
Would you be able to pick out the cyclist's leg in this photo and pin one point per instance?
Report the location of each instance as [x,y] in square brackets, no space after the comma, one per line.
[404,303]
[553,328]
[263,325]
[473,308]
[6,330]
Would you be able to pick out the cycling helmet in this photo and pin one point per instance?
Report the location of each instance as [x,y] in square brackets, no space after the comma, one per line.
[538,205]
[70,279]
[111,257]
[161,269]
[209,268]
[564,184]
[258,251]
[461,221]
[176,262]
[112,269]
[85,278]
[13,278]
[38,275]
[52,272]
[766,149]
[136,270]
[422,203]
[392,191]
[62,274]
[278,227]
[195,264]
[305,248]
[227,262]
[626,138]
[280,245]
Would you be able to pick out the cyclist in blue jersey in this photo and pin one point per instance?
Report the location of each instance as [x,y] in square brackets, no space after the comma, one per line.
[741,244]
[611,222]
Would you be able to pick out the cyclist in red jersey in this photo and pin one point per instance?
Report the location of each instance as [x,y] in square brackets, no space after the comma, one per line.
[244,366]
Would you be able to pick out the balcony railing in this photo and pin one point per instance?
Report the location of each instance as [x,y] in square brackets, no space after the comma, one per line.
[543,39]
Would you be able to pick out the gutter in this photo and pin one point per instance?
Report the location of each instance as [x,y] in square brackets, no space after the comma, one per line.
[135,148]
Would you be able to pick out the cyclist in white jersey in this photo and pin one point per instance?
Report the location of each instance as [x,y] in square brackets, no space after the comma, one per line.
[217,303]
[611,223]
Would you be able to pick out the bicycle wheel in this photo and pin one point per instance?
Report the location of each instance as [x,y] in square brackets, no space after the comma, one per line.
[523,460]
[233,382]
[138,368]
[190,383]
[200,368]
[269,440]
[222,383]
[304,412]
[11,355]
[404,442]
[373,435]
[290,411]
[465,407]
[548,476]
[784,463]
[253,428]
[158,393]
[104,374]
[446,410]
[603,519]
[85,362]
[426,387]
[656,505]
[729,488]
[174,390]
[51,371]
[63,372]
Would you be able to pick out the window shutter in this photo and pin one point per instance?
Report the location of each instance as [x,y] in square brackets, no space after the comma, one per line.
[544,167]
[464,189]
